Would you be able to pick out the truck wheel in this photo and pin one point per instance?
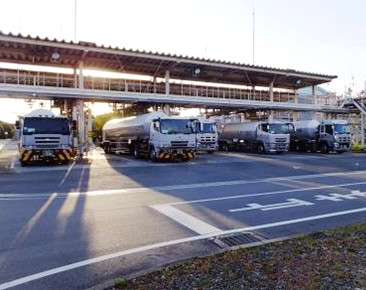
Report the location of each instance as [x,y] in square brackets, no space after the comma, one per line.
[152,154]
[136,151]
[24,163]
[225,147]
[260,149]
[324,149]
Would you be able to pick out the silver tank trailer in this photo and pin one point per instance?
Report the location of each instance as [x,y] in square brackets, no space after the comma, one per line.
[306,130]
[136,127]
[240,130]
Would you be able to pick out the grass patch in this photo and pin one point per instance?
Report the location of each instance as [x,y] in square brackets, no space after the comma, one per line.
[358,148]
[332,259]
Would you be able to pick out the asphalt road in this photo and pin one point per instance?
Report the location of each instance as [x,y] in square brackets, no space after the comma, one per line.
[72,227]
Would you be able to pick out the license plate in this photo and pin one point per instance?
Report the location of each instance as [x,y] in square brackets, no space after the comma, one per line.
[47,154]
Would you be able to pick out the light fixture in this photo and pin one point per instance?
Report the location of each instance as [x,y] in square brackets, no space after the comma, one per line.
[55,56]
[197,71]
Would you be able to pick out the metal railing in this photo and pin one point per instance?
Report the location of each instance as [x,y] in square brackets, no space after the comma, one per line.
[42,79]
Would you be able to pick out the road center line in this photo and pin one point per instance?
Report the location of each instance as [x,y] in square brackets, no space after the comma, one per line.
[87,262]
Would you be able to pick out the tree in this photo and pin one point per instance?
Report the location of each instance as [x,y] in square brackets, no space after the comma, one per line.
[6,127]
[100,120]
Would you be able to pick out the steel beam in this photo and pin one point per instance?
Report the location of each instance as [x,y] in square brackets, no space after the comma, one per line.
[35,92]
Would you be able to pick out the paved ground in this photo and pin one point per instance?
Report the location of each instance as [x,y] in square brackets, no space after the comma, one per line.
[71,227]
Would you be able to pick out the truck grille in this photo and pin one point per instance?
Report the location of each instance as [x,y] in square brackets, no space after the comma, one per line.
[49,146]
[207,139]
[47,142]
[281,140]
[344,139]
[179,144]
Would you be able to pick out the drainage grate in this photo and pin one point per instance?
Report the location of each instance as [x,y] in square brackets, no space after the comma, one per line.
[239,239]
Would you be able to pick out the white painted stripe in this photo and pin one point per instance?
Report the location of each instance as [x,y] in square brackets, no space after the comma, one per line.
[13,160]
[87,262]
[265,180]
[194,224]
[67,173]
[266,193]
[198,185]
[63,195]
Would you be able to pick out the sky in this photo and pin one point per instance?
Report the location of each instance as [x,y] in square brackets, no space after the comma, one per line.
[323,36]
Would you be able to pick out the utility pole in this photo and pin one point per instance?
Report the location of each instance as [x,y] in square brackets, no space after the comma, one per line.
[75,20]
[253,33]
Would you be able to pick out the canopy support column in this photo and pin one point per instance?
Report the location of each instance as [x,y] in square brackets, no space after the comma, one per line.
[270,117]
[167,84]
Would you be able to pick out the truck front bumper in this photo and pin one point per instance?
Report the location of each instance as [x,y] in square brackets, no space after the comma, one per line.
[48,155]
[208,146]
[174,153]
[277,147]
[342,147]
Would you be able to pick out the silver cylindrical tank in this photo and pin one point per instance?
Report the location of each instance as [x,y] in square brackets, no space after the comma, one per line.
[306,130]
[246,130]
[136,127]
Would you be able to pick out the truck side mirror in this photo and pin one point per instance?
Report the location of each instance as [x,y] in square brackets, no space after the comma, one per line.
[156,125]
[17,124]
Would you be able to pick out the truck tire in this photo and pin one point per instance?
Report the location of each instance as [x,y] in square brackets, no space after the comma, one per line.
[324,149]
[136,151]
[152,154]
[260,149]
[224,147]
[24,163]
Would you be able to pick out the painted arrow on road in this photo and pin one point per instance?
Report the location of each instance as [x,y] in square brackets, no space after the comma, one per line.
[291,202]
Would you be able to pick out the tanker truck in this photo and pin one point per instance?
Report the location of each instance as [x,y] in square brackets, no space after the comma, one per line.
[153,135]
[44,137]
[324,136]
[207,138]
[261,137]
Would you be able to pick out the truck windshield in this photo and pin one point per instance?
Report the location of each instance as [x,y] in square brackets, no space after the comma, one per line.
[341,129]
[209,128]
[276,128]
[37,125]
[177,126]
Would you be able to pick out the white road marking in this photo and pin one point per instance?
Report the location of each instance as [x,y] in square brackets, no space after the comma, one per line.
[271,179]
[67,173]
[266,193]
[122,253]
[98,193]
[341,197]
[62,194]
[194,224]
[334,197]
[358,193]
[13,160]
[291,202]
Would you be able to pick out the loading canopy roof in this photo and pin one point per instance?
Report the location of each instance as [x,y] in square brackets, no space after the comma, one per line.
[37,51]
